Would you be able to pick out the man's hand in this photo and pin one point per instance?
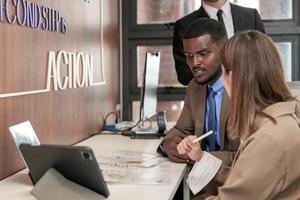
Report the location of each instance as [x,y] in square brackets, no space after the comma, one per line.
[170,146]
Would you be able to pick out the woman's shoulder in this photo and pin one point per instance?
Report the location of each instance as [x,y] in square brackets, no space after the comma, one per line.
[286,121]
[282,137]
[285,128]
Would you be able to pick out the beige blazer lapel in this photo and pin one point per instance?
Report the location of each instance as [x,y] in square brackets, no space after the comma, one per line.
[224,117]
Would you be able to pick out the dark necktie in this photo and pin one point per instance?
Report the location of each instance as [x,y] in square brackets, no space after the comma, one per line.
[212,121]
[220,17]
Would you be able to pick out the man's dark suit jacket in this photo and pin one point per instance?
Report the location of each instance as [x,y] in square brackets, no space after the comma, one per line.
[243,19]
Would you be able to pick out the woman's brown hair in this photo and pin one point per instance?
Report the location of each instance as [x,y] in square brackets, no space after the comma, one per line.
[257,79]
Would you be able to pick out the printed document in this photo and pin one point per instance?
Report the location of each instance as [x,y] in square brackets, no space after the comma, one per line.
[122,173]
[132,158]
[134,168]
[203,172]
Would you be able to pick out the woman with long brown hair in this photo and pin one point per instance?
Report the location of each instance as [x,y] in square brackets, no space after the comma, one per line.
[264,115]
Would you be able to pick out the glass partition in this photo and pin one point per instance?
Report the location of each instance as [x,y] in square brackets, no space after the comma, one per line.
[166,11]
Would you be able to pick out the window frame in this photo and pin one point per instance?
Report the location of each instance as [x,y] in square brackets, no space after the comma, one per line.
[133,34]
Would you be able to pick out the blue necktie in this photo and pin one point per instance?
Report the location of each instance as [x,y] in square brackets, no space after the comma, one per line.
[212,121]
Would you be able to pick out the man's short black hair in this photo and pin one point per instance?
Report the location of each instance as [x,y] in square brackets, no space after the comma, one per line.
[203,26]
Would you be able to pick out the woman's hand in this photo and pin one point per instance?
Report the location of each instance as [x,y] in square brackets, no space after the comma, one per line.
[193,150]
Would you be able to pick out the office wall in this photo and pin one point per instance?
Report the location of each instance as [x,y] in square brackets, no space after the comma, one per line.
[63,116]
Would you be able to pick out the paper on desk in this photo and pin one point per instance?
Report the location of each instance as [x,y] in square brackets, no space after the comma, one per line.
[133,158]
[203,172]
[122,173]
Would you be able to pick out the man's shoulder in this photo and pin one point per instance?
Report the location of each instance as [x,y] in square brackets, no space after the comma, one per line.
[244,10]
[246,18]
[189,18]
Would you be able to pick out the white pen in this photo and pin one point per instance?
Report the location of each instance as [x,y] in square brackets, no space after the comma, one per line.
[202,136]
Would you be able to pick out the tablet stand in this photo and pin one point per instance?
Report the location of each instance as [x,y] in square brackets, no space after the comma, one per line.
[54,186]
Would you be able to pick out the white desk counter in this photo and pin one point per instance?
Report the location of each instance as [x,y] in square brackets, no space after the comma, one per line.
[18,186]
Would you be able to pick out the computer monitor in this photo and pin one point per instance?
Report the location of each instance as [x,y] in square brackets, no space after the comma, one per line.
[150,85]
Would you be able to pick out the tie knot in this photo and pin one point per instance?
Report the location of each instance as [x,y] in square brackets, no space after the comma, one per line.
[219,13]
[211,91]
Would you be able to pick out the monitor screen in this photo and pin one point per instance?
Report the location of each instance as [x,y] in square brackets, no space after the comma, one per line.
[149,89]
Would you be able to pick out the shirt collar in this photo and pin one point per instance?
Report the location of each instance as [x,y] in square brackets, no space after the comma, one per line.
[276,110]
[226,9]
[218,86]
[212,11]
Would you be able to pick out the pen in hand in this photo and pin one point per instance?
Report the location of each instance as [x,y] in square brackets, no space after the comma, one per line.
[202,136]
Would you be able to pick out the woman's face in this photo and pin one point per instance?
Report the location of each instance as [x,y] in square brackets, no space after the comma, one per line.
[226,79]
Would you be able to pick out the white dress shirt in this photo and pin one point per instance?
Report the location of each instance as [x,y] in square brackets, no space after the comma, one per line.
[227,16]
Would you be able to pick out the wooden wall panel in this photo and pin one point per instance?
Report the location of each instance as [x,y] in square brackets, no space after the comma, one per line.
[58,117]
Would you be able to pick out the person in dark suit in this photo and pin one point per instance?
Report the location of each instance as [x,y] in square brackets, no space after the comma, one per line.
[235,18]
[202,43]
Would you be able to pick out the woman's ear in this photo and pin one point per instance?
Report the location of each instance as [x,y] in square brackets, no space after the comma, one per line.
[226,79]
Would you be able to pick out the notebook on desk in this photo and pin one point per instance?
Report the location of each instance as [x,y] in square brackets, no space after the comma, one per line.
[76,163]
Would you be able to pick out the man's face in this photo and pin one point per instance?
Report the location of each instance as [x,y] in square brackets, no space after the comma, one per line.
[202,56]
